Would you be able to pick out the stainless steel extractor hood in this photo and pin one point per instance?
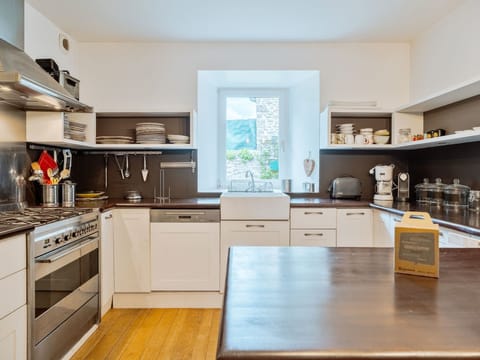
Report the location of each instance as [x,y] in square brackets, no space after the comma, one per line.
[24,84]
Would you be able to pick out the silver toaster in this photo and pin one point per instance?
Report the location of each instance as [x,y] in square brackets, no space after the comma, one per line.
[345,188]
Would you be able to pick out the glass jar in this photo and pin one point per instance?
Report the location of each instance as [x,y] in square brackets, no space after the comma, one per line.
[456,195]
[474,201]
[421,192]
[404,135]
[435,193]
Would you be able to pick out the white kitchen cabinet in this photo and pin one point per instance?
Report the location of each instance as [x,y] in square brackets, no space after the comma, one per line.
[132,250]
[313,237]
[354,227]
[106,261]
[47,127]
[250,233]
[313,227]
[383,230]
[185,256]
[13,310]
[13,335]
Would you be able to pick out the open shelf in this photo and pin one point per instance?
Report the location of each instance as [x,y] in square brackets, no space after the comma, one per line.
[449,96]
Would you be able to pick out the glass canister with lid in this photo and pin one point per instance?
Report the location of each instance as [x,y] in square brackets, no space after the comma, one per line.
[421,192]
[404,135]
[456,195]
[436,192]
[474,200]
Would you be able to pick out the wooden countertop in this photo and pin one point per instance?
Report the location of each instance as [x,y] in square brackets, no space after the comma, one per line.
[347,303]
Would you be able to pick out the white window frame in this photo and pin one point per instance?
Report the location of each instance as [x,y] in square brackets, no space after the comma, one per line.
[223,94]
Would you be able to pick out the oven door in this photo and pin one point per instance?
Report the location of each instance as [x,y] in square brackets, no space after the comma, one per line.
[65,280]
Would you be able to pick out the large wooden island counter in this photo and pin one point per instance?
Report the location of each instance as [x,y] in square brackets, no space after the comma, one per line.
[347,303]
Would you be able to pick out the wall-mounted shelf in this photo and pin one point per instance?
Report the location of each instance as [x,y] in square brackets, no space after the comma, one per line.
[449,96]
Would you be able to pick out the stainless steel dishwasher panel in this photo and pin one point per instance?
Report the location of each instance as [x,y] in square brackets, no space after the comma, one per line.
[180,216]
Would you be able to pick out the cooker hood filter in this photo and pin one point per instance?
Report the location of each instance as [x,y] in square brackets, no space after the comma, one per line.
[24,84]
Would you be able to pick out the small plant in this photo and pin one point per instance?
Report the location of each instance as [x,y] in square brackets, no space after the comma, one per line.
[245,155]
[231,155]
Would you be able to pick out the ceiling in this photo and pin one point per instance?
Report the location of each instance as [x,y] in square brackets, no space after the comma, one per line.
[245,20]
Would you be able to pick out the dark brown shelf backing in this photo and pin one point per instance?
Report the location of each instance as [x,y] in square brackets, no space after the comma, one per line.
[124,124]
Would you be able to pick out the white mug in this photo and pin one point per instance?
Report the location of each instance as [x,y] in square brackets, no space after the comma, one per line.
[349,139]
[368,139]
[359,139]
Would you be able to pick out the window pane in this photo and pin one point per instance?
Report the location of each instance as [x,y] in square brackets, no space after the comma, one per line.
[252,137]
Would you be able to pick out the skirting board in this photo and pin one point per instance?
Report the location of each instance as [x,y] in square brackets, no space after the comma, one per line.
[168,300]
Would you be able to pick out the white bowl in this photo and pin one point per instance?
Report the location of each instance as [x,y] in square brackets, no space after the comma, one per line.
[381,139]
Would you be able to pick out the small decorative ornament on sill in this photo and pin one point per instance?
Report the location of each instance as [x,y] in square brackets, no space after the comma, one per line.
[416,245]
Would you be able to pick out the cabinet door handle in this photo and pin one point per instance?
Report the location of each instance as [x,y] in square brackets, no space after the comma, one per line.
[313,234]
[108,216]
[396,220]
[254,226]
[355,213]
[313,213]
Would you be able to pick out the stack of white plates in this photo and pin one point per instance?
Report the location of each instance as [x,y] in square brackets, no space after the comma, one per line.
[74,130]
[150,133]
[345,129]
[114,140]
[178,139]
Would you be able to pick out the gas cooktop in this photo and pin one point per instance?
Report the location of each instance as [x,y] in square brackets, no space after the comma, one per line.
[39,216]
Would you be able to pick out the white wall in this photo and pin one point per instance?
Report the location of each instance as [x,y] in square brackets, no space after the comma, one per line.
[42,41]
[162,76]
[447,54]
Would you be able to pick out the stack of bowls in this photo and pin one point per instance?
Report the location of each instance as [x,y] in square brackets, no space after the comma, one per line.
[345,133]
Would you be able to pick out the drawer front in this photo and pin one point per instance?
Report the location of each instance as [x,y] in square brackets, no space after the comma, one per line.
[313,218]
[13,335]
[15,286]
[318,237]
[13,253]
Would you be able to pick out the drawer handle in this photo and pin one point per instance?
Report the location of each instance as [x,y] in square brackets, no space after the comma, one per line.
[255,226]
[313,234]
[313,213]
[397,220]
[355,213]
[108,217]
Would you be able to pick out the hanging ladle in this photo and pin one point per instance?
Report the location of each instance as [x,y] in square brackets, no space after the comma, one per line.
[127,172]
[144,170]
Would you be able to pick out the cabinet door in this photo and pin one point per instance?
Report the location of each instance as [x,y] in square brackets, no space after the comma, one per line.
[313,237]
[13,335]
[313,218]
[185,256]
[383,233]
[106,261]
[354,228]
[132,250]
[251,233]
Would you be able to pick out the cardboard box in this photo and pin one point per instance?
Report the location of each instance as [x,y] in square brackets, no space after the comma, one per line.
[416,245]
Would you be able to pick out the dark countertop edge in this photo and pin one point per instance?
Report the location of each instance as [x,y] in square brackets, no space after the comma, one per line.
[225,354]
[15,230]
[448,224]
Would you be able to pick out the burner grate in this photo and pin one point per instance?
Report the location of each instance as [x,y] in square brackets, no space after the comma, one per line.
[39,216]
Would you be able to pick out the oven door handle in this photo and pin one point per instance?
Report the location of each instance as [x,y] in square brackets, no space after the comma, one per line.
[62,254]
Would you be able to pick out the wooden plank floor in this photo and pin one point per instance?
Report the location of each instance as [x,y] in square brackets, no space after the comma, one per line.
[154,334]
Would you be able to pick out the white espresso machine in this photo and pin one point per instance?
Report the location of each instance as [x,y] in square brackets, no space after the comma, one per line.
[384,185]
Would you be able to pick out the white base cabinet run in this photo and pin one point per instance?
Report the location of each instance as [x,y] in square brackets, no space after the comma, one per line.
[354,227]
[106,262]
[13,287]
[313,227]
[250,233]
[132,250]
[185,256]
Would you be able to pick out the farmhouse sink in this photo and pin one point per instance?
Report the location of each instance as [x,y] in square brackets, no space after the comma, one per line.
[237,205]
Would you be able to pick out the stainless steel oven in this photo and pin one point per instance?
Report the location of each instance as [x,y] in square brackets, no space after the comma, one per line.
[63,284]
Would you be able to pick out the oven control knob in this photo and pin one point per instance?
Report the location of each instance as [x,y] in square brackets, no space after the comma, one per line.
[58,240]
[67,237]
